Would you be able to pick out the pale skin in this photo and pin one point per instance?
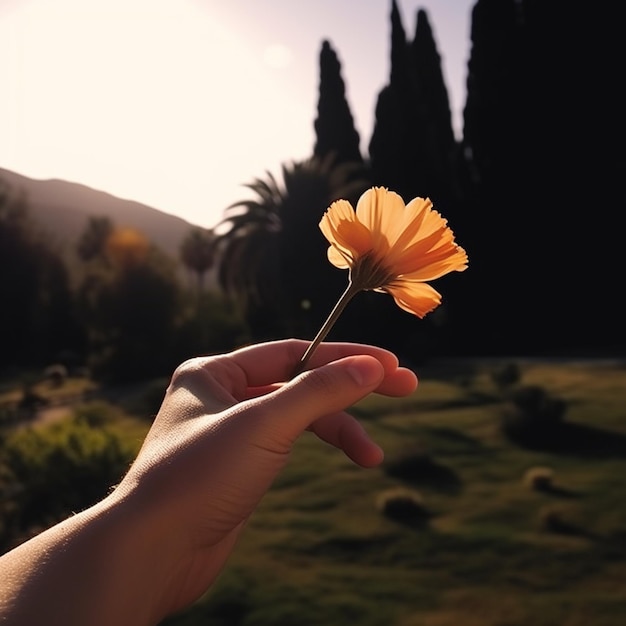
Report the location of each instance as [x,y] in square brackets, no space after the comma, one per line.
[225,430]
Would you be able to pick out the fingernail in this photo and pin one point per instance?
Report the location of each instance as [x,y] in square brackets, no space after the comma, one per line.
[365,372]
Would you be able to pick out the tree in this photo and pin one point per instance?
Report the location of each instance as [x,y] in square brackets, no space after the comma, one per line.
[334,125]
[130,303]
[91,243]
[197,252]
[412,148]
[37,313]
[271,253]
[126,247]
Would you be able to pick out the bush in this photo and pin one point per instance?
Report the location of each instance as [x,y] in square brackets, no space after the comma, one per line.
[403,505]
[51,472]
[533,416]
[539,478]
[506,376]
[56,374]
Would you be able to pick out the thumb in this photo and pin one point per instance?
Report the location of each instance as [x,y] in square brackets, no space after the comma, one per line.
[322,391]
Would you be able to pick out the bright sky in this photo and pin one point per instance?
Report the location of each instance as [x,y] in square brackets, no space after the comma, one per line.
[179,103]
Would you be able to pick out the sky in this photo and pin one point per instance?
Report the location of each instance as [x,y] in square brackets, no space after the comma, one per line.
[178,104]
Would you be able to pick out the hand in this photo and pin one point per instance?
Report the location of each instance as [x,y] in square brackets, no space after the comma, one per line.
[225,430]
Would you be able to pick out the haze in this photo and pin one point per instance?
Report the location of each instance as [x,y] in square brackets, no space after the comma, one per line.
[179,103]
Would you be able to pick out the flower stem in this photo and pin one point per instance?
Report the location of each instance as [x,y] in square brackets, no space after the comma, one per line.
[346,296]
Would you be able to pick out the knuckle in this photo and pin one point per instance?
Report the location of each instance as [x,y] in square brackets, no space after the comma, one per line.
[190,369]
[320,381]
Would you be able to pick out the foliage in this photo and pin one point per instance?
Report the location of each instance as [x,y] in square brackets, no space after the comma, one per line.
[334,125]
[318,549]
[403,505]
[130,300]
[533,415]
[197,252]
[539,478]
[271,255]
[92,241]
[208,324]
[37,315]
[506,375]
[46,473]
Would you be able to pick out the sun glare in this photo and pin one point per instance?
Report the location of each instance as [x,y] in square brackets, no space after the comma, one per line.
[118,94]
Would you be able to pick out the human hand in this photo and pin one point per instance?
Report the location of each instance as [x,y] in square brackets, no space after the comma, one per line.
[225,429]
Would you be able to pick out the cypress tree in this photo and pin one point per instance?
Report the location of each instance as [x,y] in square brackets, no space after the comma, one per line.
[542,126]
[391,148]
[413,145]
[334,125]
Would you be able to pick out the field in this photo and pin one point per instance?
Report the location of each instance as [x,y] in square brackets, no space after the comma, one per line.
[467,536]
[461,525]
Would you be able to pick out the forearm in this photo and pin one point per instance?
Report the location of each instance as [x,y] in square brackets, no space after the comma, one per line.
[99,567]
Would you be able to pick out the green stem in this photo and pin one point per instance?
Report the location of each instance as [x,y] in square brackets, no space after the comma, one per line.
[347,295]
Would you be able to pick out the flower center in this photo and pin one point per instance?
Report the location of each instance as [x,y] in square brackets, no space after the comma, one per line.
[368,273]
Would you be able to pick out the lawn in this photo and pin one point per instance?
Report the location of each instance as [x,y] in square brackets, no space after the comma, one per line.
[481,545]
[460,526]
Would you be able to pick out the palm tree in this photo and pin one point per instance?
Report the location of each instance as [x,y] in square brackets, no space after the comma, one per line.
[197,252]
[271,253]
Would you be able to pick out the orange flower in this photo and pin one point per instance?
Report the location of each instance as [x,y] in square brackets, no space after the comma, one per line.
[388,247]
[393,248]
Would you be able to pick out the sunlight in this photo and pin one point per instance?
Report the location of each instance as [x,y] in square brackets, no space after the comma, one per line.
[131,90]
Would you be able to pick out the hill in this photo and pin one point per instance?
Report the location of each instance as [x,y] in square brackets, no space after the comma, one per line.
[63,208]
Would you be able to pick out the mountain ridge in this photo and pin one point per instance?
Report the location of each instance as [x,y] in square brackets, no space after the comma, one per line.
[62,208]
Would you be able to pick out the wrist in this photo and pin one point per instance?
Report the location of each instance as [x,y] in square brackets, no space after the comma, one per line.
[105,565]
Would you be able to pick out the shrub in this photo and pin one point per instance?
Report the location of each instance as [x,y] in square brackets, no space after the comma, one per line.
[539,478]
[56,374]
[533,416]
[53,471]
[403,505]
[416,466]
[506,376]
[95,414]
[560,520]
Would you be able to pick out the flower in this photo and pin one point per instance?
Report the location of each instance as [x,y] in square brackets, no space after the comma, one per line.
[388,247]
[393,248]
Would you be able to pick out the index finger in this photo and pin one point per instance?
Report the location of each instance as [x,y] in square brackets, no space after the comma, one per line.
[273,362]
[257,369]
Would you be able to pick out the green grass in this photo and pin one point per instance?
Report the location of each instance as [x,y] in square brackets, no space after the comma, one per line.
[492,551]
[318,551]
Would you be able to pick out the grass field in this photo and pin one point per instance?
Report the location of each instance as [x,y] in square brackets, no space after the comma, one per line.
[480,546]
[451,530]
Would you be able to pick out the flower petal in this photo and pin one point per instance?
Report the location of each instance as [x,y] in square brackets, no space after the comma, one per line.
[381,211]
[416,298]
[342,229]
[438,262]
[339,258]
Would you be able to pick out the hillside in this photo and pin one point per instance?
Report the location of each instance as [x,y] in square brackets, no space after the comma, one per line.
[62,208]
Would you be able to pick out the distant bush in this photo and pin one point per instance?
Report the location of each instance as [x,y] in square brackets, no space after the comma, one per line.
[506,376]
[539,478]
[56,374]
[48,473]
[403,505]
[533,416]
[95,414]
[416,466]
[560,520]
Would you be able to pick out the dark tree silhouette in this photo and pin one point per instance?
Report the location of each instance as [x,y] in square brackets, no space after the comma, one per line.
[91,243]
[272,255]
[37,315]
[412,148]
[197,252]
[334,125]
[391,147]
[541,131]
